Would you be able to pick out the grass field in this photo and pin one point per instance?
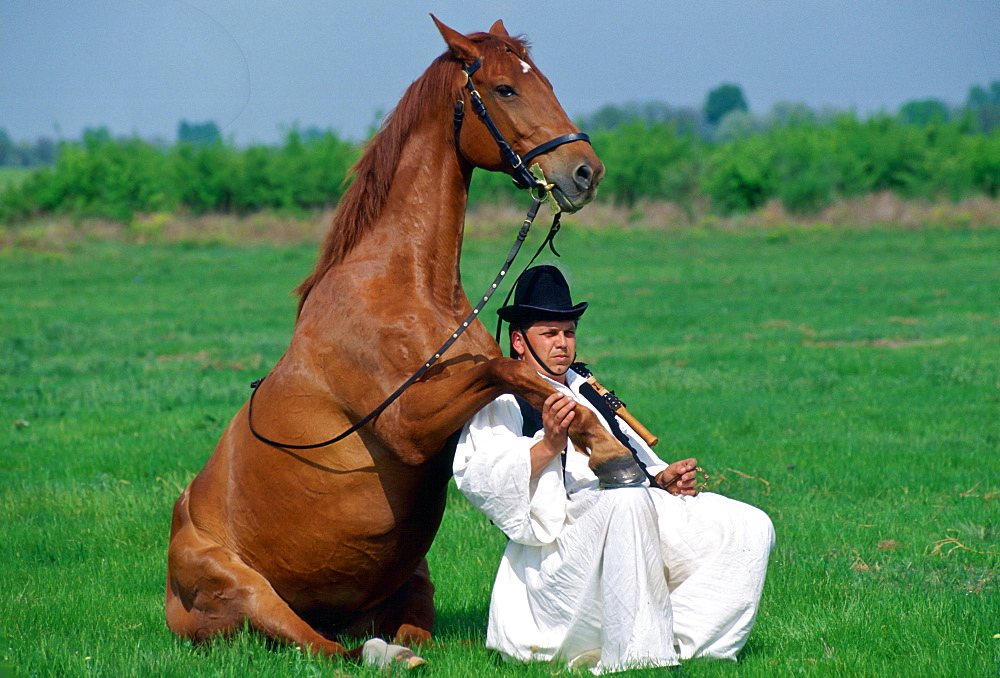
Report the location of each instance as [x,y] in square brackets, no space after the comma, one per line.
[845,381]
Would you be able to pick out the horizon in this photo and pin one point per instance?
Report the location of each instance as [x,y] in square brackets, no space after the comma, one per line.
[258,70]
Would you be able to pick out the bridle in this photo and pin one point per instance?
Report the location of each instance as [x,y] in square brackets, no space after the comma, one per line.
[524,179]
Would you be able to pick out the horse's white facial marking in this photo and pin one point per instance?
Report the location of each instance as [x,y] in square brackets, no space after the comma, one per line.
[524,66]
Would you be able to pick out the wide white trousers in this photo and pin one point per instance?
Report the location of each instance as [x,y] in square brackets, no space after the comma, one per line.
[638,577]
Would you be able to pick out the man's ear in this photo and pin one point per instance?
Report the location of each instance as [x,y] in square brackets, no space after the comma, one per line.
[461,47]
[517,342]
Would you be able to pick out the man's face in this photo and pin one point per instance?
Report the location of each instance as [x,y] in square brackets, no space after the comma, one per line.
[554,342]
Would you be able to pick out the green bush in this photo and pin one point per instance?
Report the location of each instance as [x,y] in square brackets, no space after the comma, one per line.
[117,178]
[807,165]
[740,175]
[803,161]
[983,156]
[650,162]
[206,176]
[100,177]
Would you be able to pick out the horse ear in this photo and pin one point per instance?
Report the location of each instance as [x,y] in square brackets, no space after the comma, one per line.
[464,49]
[499,30]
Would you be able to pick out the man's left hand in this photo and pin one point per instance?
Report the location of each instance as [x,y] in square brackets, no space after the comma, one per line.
[680,478]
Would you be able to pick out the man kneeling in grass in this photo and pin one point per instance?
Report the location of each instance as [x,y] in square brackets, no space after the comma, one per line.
[644,575]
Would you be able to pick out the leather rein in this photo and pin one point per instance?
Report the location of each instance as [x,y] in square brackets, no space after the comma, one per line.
[524,179]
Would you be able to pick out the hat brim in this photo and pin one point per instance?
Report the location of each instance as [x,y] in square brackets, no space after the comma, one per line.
[524,313]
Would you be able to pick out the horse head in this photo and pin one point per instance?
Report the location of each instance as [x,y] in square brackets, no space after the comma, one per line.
[520,101]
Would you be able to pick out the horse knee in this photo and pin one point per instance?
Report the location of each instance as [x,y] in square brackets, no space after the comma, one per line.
[197,623]
[408,634]
[205,596]
[407,615]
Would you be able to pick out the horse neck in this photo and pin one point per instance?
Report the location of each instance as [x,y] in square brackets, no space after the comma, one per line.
[420,229]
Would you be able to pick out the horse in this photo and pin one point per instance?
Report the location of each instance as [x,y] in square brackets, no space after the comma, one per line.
[306,546]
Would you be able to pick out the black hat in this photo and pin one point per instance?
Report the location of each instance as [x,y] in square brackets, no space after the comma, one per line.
[541,293]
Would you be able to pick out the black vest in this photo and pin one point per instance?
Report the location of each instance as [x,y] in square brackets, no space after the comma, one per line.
[532,423]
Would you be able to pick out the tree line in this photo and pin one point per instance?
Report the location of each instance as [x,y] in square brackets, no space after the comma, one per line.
[737,161]
[723,155]
[115,178]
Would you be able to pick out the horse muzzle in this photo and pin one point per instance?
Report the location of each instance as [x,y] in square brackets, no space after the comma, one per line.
[577,187]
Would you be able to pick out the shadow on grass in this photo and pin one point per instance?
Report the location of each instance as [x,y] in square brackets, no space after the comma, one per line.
[468,621]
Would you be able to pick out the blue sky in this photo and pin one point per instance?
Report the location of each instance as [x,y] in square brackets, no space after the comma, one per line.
[255,67]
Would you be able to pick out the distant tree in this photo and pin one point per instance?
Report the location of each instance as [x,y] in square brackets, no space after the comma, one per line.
[313,133]
[738,124]
[609,117]
[7,149]
[26,153]
[980,96]
[924,112]
[684,120]
[983,105]
[722,100]
[94,137]
[45,151]
[198,133]
[788,113]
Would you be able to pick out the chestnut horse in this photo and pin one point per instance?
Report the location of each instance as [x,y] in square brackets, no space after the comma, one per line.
[307,545]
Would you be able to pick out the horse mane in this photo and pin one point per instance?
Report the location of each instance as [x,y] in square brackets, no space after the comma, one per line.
[371,176]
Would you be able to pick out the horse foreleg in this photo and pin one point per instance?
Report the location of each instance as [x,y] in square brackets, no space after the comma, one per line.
[407,616]
[441,406]
[211,592]
[433,409]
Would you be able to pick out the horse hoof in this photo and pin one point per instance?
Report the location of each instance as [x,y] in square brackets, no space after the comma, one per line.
[377,652]
[620,471]
[414,662]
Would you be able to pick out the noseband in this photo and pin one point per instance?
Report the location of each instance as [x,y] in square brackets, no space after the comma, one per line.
[523,178]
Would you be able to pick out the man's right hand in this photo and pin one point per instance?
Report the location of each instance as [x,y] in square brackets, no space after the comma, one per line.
[557,415]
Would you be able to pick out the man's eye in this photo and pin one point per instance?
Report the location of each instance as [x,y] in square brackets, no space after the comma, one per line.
[506,91]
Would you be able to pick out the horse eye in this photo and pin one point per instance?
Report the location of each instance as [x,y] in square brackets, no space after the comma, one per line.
[506,91]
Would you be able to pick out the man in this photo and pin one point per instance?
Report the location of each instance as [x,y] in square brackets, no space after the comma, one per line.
[606,578]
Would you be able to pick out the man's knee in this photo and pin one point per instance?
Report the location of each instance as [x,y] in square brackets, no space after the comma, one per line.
[623,501]
[759,526]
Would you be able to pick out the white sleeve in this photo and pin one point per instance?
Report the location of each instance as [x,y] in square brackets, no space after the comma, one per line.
[493,469]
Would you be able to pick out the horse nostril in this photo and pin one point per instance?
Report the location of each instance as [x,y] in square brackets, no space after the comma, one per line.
[583,177]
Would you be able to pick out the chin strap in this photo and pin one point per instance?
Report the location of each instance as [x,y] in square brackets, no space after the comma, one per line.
[539,360]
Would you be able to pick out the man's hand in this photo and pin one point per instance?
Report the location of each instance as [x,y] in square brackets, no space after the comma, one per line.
[679,478]
[557,414]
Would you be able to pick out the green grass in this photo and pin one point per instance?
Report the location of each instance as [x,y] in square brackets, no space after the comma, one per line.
[845,381]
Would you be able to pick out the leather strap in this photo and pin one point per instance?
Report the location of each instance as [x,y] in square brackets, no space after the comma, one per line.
[598,401]
[549,145]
